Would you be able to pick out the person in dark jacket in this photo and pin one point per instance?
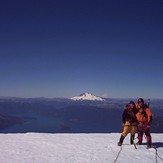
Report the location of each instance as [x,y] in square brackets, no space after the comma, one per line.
[129,122]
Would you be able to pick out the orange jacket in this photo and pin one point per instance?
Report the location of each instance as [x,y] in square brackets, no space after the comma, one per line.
[144,115]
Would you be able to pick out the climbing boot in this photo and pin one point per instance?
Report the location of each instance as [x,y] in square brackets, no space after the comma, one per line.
[121,140]
[132,137]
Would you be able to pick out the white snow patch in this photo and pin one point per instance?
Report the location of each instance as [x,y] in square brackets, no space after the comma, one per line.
[74,148]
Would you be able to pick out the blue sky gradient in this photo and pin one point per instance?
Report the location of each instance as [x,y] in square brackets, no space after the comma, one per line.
[60,48]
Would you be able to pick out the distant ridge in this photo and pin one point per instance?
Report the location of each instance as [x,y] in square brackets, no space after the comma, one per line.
[87,96]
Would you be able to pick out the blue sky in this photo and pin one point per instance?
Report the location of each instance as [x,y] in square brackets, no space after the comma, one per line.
[60,48]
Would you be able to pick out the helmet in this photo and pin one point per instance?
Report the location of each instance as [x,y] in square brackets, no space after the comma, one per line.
[140,100]
[132,102]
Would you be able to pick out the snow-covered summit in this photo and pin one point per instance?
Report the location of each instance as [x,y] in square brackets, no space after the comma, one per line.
[76,148]
[87,96]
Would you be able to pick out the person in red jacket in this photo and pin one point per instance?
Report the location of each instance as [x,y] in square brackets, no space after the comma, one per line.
[129,122]
[144,117]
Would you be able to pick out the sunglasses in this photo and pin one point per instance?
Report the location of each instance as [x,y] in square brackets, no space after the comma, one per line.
[131,105]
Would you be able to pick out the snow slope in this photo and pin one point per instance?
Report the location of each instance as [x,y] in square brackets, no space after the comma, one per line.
[75,148]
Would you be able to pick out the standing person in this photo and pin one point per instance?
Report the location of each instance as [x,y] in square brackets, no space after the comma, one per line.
[144,117]
[129,122]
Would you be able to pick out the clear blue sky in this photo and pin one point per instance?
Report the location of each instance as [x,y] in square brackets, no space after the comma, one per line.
[61,48]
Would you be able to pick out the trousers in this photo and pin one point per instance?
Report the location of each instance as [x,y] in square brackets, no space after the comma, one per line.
[129,129]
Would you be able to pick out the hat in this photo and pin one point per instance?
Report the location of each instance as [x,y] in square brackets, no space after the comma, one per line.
[140,100]
[132,102]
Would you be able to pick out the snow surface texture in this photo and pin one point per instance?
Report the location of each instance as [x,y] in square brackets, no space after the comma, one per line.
[87,96]
[76,148]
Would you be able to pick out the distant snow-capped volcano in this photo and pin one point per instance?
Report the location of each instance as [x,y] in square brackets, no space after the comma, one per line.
[87,96]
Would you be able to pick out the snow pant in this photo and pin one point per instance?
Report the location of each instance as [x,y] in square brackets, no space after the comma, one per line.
[126,130]
[129,128]
[144,129]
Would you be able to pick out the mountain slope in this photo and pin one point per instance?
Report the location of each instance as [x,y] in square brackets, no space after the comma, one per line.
[75,148]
